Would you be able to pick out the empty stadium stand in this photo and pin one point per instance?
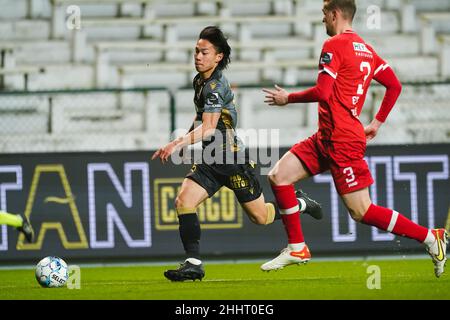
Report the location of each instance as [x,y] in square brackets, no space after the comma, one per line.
[60,66]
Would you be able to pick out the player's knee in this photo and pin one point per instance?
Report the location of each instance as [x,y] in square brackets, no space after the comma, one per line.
[257,218]
[356,214]
[260,219]
[274,179]
[180,202]
[177,202]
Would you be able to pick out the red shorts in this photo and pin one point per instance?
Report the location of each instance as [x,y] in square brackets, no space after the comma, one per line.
[345,161]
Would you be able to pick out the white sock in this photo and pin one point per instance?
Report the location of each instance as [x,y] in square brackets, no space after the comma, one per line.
[430,239]
[194,261]
[302,204]
[296,246]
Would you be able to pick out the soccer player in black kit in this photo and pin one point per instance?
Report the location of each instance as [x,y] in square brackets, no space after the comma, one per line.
[227,163]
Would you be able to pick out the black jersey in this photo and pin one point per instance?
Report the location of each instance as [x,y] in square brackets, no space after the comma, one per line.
[214,95]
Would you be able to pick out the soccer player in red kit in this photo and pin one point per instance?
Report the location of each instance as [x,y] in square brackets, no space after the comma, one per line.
[347,66]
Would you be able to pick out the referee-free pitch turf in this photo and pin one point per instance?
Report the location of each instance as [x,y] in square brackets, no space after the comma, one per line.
[396,279]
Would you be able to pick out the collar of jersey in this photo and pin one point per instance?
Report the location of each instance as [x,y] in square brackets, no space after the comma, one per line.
[215,75]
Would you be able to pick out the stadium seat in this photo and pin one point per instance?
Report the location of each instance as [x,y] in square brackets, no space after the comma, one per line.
[430,5]
[22,29]
[39,51]
[18,78]
[444,57]
[431,24]
[145,43]
[405,45]
[13,10]
[424,68]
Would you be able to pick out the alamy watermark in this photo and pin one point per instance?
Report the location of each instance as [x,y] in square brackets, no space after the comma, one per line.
[226,147]
[74,280]
[373,21]
[74,17]
[374,280]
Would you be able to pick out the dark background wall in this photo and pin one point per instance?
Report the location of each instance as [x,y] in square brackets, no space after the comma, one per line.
[120,205]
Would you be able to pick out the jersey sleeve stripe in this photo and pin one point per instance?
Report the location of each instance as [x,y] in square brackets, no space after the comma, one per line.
[334,75]
[381,68]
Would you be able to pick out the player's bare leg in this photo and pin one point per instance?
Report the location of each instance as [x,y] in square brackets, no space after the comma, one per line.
[362,210]
[357,203]
[259,211]
[191,195]
[288,170]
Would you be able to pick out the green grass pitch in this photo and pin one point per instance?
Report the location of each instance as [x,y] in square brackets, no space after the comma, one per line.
[399,279]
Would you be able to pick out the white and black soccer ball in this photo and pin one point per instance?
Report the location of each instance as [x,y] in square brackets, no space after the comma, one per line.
[52,272]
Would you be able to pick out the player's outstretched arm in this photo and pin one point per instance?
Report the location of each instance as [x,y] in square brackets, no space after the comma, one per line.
[201,132]
[165,152]
[319,93]
[277,97]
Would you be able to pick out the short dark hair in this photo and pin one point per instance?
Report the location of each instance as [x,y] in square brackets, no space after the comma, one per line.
[214,35]
[348,7]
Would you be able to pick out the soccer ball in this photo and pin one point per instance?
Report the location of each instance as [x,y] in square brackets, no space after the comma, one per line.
[51,272]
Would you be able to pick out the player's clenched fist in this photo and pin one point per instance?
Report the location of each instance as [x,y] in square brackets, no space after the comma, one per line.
[371,130]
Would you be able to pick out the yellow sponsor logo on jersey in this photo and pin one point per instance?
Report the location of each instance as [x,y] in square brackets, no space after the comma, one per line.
[238,182]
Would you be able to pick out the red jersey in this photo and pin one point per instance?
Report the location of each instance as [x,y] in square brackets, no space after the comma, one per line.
[353,63]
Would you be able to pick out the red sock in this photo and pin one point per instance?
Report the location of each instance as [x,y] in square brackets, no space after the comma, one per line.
[290,212]
[394,222]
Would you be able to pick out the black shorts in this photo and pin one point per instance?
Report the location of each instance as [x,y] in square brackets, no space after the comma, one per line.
[240,178]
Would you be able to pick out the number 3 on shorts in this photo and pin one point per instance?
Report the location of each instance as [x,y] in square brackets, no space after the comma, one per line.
[351,177]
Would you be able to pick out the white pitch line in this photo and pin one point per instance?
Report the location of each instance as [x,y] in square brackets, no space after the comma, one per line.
[228,261]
